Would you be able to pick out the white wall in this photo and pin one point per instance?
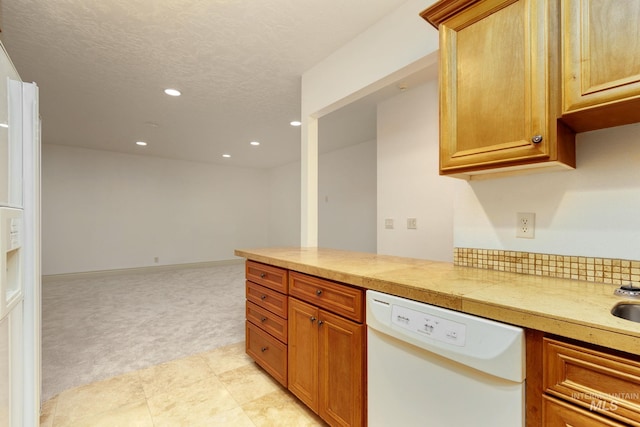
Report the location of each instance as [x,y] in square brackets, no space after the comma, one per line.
[284,205]
[348,178]
[400,39]
[409,185]
[591,211]
[347,198]
[103,210]
[393,48]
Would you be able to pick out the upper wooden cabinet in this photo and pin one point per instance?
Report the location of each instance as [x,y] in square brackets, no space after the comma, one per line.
[601,63]
[500,96]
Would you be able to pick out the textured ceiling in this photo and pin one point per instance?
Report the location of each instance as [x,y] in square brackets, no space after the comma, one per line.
[102,67]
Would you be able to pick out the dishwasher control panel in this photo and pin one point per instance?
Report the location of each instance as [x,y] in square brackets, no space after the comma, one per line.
[425,324]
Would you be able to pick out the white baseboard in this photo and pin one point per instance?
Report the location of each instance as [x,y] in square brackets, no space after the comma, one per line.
[149,269]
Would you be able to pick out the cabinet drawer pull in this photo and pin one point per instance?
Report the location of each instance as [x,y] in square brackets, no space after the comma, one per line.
[263,297]
[313,319]
[263,349]
[537,139]
[262,319]
[263,275]
[319,292]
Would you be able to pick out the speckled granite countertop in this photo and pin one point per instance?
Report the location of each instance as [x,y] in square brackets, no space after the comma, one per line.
[570,308]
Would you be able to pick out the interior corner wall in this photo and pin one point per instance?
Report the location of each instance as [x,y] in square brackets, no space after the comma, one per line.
[409,185]
[347,198]
[103,210]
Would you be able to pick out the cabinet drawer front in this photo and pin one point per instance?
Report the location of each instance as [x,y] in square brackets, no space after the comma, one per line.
[266,298]
[267,275]
[264,319]
[556,413]
[340,299]
[268,352]
[601,382]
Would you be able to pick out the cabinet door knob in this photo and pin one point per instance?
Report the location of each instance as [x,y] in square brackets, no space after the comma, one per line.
[263,297]
[319,292]
[263,275]
[263,349]
[320,322]
[262,319]
[312,318]
[537,139]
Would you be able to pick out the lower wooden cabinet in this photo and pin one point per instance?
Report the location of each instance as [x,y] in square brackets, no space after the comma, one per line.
[327,363]
[266,318]
[303,359]
[267,351]
[312,341]
[588,386]
[557,413]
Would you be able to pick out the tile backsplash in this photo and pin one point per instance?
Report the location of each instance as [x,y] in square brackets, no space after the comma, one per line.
[602,270]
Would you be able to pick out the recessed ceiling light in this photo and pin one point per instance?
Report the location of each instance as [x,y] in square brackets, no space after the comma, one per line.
[295,123]
[4,125]
[254,143]
[141,143]
[226,156]
[172,92]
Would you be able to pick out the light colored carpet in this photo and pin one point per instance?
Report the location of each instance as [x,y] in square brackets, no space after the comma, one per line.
[98,327]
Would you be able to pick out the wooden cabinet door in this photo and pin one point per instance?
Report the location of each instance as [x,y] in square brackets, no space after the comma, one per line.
[341,370]
[499,86]
[303,352]
[601,62]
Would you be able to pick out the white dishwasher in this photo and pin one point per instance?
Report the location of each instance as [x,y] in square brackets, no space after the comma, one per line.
[429,366]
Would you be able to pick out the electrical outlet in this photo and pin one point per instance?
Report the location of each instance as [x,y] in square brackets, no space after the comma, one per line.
[388,223]
[526,225]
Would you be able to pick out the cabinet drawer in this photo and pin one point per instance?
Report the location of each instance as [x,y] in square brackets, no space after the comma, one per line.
[340,299]
[268,352]
[264,319]
[556,413]
[603,383]
[267,298]
[267,275]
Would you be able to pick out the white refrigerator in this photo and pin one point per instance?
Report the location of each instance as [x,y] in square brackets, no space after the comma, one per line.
[20,282]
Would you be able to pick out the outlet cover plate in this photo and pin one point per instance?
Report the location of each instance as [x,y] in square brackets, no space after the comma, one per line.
[525,225]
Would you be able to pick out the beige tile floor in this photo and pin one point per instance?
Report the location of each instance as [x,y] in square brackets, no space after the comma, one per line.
[223,387]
